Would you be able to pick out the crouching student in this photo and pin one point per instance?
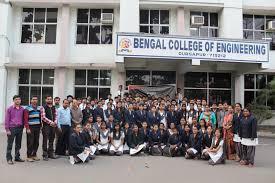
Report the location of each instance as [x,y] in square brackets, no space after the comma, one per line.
[173,146]
[88,136]
[185,136]
[102,139]
[127,131]
[216,151]
[194,145]
[154,141]
[78,151]
[136,143]
[163,136]
[145,133]
[249,140]
[117,140]
[207,140]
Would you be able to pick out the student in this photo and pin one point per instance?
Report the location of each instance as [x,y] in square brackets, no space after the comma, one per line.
[181,126]
[102,138]
[98,123]
[154,141]
[108,111]
[111,123]
[236,130]
[49,118]
[64,126]
[144,131]
[185,137]
[129,115]
[171,115]
[87,112]
[136,143]
[153,117]
[127,131]
[194,145]
[173,146]
[98,111]
[32,118]
[14,124]
[140,115]
[88,136]
[182,113]
[228,133]
[162,114]
[163,135]
[77,146]
[119,113]
[192,113]
[202,127]
[209,117]
[216,151]
[170,130]
[248,135]
[117,141]
[207,139]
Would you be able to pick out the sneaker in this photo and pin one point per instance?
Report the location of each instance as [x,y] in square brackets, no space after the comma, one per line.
[45,158]
[10,162]
[19,160]
[53,156]
[30,160]
[35,158]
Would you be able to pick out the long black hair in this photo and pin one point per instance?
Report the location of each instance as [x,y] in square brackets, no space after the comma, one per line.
[119,132]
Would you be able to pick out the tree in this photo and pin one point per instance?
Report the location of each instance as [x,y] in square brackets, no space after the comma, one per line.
[259,107]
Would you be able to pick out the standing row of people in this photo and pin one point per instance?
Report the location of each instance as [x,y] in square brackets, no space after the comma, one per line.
[158,126]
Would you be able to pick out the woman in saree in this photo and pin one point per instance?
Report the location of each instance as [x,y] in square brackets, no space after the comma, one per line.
[228,133]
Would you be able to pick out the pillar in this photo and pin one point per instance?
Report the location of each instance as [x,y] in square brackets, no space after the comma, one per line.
[63,50]
[238,89]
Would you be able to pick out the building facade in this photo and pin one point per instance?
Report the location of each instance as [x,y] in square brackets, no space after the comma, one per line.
[50,47]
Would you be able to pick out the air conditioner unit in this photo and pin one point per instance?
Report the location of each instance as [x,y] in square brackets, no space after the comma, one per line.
[197,20]
[107,18]
[271,25]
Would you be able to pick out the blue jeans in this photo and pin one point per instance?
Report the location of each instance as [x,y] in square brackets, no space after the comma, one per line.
[16,134]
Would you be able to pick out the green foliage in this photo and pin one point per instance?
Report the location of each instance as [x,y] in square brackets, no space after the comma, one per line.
[258,106]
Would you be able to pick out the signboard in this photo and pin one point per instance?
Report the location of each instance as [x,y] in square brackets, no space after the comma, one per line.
[178,47]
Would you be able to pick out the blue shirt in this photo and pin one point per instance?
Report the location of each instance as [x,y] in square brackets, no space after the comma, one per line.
[64,116]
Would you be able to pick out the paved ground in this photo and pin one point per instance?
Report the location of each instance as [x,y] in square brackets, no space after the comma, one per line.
[139,169]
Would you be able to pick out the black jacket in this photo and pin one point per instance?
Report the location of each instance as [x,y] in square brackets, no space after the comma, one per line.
[77,145]
[86,137]
[130,118]
[154,138]
[164,137]
[206,141]
[174,139]
[248,127]
[195,142]
[135,140]
[86,114]
[236,123]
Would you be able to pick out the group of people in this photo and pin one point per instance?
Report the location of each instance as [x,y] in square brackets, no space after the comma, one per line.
[84,128]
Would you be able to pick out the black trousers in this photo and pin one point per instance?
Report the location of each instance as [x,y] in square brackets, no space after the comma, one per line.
[63,140]
[16,134]
[48,133]
[33,140]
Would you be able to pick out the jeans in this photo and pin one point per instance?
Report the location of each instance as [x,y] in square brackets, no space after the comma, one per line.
[16,134]
[33,140]
[48,133]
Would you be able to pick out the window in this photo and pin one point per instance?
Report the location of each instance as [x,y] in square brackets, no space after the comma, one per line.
[93,83]
[255,28]
[154,21]
[35,82]
[210,27]
[90,29]
[154,78]
[253,84]
[214,87]
[39,25]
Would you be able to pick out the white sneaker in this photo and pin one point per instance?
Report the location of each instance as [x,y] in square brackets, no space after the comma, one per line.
[72,160]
